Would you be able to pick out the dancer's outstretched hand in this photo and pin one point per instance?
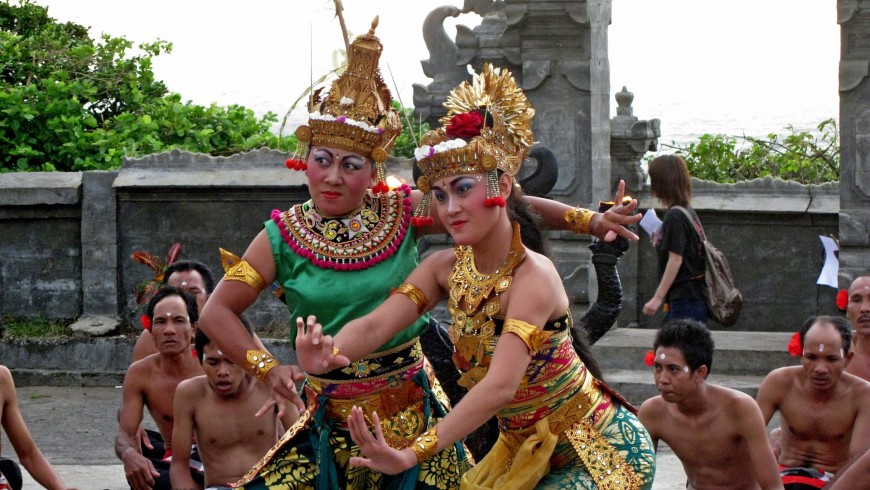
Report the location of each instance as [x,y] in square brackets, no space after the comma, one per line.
[282,380]
[379,456]
[611,223]
[315,352]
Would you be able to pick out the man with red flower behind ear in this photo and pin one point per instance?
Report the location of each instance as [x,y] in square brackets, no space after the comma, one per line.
[858,313]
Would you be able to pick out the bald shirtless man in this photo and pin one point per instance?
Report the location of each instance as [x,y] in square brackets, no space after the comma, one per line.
[219,410]
[151,382]
[858,314]
[825,412]
[717,433]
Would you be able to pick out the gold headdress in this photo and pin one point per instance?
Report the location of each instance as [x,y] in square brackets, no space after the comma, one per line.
[356,115]
[488,127]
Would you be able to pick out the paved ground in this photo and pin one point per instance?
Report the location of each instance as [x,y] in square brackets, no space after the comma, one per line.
[75,429]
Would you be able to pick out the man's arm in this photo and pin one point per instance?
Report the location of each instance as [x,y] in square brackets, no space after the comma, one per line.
[138,469]
[860,442]
[28,453]
[853,477]
[768,395]
[750,425]
[182,436]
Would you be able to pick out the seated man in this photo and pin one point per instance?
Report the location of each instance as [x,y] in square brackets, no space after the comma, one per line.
[858,313]
[16,430]
[151,382]
[716,432]
[825,412]
[219,409]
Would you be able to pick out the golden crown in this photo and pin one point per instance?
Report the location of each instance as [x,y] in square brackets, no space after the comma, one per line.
[488,126]
[356,115]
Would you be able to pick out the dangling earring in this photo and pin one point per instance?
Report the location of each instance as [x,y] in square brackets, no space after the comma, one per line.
[300,155]
[493,195]
[423,213]
[381,186]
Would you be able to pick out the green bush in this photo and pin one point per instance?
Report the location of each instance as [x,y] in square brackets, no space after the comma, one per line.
[798,156]
[70,103]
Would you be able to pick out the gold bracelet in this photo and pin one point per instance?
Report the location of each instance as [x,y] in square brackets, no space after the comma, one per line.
[260,363]
[244,272]
[426,445]
[414,294]
[578,219]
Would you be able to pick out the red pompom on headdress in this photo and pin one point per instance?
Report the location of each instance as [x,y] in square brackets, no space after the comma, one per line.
[842,300]
[794,345]
[650,358]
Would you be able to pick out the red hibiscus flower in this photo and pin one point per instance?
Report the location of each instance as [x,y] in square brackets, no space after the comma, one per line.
[465,126]
[146,322]
[650,358]
[842,299]
[794,345]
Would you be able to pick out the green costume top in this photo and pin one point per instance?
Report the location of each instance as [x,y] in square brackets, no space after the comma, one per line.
[339,269]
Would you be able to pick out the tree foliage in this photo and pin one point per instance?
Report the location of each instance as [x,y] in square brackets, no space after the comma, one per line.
[68,102]
[801,156]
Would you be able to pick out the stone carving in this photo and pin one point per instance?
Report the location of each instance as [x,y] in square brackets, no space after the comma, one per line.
[630,139]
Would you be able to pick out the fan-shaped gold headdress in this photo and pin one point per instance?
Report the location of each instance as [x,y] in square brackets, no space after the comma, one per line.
[356,115]
[500,141]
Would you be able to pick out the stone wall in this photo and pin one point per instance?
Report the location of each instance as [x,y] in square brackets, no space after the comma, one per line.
[67,238]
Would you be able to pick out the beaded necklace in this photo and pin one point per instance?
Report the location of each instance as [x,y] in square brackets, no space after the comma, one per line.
[358,241]
[473,328]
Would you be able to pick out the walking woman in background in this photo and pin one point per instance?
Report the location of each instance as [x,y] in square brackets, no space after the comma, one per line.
[678,244]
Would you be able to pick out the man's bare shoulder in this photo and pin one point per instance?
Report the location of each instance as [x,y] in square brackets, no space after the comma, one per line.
[729,397]
[141,370]
[652,411]
[858,386]
[192,387]
[781,378]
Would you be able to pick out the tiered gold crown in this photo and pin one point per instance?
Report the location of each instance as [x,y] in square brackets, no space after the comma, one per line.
[504,137]
[356,114]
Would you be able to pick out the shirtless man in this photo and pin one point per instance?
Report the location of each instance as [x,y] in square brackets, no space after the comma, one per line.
[150,383]
[825,412]
[16,430]
[858,314]
[718,433]
[218,409]
[192,277]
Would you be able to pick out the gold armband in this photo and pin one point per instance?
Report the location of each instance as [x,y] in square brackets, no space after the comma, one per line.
[414,294]
[260,363]
[244,272]
[530,335]
[426,445]
[578,219]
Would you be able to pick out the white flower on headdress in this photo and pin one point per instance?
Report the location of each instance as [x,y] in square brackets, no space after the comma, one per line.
[345,101]
[317,116]
[427,151]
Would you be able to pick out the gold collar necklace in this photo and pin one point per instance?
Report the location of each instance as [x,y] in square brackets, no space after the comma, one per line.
[467,283]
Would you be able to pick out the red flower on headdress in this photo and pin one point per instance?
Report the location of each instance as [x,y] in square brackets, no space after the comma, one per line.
[794,345]
[146,322]
[466,125]
[650,358]
[842,299]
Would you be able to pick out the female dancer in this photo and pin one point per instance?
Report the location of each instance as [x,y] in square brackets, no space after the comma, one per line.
[337,257]
[560,426]
[678,245]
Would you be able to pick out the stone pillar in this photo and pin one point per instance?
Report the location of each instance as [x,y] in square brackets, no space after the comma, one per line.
[854,228]
[630,140]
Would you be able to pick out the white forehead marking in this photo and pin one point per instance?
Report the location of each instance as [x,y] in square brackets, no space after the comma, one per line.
[841,352]
[168,314]
[183,283]
[821,347]
[662,356]
[685,369]
[220,353]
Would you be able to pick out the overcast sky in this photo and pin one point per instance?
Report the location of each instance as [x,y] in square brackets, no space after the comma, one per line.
[694,63]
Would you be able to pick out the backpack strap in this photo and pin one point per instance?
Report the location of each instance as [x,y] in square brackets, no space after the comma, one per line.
[697,224]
